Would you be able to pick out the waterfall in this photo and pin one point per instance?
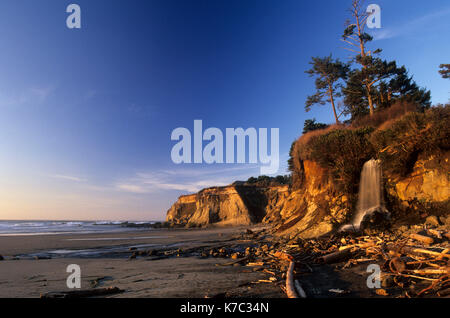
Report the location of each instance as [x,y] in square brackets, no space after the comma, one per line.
[370,196]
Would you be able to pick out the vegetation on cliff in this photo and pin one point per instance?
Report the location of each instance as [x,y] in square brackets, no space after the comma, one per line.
[397,136]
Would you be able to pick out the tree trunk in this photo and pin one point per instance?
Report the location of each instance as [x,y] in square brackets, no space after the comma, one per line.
[330,92]
[369,98]
[363,55]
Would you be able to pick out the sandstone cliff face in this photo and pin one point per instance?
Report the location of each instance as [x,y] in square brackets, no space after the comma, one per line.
[429,181]
[316,206]
[232,205]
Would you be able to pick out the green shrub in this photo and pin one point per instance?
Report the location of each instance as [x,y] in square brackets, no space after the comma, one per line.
[343,152]
[400,145]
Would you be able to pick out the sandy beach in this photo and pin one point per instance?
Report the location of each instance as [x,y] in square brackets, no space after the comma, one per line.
[36,264]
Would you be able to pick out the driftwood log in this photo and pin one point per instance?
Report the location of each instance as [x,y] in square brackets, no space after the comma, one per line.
[335,257]
[290,285]
[416,251]
[299,289]
[83,293]
[422,238]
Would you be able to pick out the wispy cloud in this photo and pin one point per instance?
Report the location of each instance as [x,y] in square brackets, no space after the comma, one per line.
[26,96]
[131,188]
[186,180]
[69,178]
[411,26]
[42,92]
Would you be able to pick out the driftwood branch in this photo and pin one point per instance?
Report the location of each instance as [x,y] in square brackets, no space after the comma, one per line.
[422,238]
[83,293]
[290,285]
[335,257]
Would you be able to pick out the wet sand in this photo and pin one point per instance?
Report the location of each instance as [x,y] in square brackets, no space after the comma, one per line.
[104,261]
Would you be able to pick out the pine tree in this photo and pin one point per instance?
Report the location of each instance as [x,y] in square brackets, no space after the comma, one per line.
[330,75]
[376,83]
[311,124]
[445,70]
[355,36]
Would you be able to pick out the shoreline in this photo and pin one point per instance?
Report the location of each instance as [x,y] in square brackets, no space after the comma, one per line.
[229,262]
[24,274]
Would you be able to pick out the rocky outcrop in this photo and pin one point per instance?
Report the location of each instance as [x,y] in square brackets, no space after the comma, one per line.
[231,205]
[316,206]
[429,181]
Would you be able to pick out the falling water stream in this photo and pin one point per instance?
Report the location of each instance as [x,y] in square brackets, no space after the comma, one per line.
[370,197]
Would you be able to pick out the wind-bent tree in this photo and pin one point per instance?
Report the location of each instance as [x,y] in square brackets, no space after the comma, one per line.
[376,83]
[444,70]
[329,75]
[356,37]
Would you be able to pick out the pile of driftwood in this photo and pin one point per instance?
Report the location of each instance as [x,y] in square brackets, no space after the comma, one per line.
[411,264]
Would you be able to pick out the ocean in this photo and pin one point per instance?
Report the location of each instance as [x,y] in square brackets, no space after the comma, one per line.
[65,227]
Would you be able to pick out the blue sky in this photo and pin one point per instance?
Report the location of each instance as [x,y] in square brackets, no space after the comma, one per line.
[86,115]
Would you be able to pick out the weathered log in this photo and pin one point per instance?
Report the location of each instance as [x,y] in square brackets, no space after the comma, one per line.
[83,293]
[335,257]
[299,289]
[422,238]
[431,271]
[436,233]
[234,262]
[283,256]
[290,285]
[415,251]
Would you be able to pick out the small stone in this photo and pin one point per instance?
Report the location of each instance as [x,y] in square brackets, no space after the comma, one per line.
[381,292]
[432,220]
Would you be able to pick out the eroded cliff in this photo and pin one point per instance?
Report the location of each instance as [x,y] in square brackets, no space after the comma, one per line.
[230,205]
[326,167]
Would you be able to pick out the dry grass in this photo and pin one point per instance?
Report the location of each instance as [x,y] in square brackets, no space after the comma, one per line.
[383,118]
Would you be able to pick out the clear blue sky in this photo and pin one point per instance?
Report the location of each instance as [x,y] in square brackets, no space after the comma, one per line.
[86,115]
